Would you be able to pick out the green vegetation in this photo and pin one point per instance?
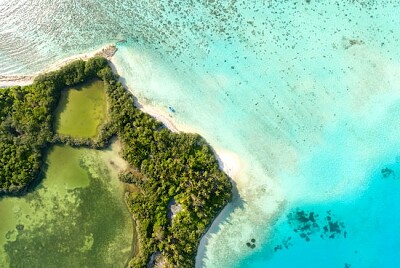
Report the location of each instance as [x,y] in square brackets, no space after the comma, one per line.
[25,128]
[26,118]
[168,170]
[81,110]
[167,167]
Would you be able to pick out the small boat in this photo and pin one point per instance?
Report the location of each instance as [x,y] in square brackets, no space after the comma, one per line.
[171,109]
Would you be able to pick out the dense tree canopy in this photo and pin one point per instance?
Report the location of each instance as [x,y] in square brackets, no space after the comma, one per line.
[169,170]
[26,116]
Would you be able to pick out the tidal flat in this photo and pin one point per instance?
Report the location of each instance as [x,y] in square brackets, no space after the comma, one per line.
[75,218]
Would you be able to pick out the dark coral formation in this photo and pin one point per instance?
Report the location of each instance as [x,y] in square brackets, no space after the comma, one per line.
[308,223]
[304,223]
[387,172]
[332,227]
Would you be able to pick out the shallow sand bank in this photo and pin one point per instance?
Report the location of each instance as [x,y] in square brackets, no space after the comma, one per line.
[15,80]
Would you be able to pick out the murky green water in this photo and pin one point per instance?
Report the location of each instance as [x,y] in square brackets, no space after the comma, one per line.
[75,218]
[81,110]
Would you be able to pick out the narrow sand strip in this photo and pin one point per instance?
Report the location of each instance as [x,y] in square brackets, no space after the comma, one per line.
[15,80]
[228,161]
[21,80]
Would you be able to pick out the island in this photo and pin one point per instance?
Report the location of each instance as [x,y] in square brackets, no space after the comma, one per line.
[174,186]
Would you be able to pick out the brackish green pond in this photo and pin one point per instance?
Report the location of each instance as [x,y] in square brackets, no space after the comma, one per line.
[75,218]
[81,110]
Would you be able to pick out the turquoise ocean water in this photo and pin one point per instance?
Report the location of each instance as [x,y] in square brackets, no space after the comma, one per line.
[306,93]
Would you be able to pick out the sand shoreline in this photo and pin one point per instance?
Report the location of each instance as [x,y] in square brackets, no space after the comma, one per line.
[106,51]
[228,161]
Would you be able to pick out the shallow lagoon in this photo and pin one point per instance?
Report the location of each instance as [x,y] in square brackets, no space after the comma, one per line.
[81,110]
[75,218]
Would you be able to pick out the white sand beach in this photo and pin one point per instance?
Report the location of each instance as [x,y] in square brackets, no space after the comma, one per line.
[229,162]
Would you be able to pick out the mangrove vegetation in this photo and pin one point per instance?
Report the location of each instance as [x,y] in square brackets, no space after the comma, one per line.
[26,121]
[176,186]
